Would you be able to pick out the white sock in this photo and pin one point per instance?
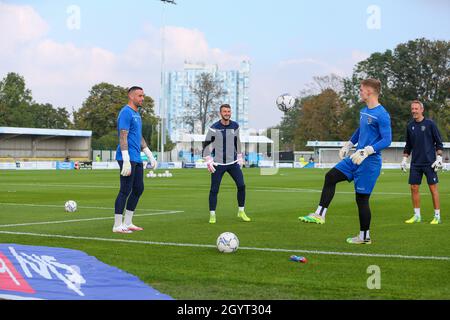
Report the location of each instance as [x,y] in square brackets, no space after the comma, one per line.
[437,213]
[417,212]
[213,213]
[128,217]
[241,209]
[117,220]
[367,235]
[321,211]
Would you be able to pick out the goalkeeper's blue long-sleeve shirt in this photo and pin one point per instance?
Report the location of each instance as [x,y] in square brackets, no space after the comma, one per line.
[374,129]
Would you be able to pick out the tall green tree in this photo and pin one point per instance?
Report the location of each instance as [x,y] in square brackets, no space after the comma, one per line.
[287,129]
[318,105]
[15,100]
[444,121]
[17,108]
[108,141]
[321,118]
[100,110]
[418,69]
[207,91]
[46,116]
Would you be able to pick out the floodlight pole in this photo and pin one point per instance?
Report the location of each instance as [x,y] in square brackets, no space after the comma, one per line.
[162,104]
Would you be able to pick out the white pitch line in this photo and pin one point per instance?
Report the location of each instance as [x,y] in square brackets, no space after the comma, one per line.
[82,220]
[58,185]
[174,244]
[60,206]
[180,187]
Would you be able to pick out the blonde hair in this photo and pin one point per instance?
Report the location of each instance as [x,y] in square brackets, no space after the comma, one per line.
[418,102]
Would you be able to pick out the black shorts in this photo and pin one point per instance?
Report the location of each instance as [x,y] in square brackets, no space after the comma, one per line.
[416,173]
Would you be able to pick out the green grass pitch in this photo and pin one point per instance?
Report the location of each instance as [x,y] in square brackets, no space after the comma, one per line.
[175,211]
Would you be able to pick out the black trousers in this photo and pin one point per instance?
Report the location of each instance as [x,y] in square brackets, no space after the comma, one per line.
[216,178]
[131,188]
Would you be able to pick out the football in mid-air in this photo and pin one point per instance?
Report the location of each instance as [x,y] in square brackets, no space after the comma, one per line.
[227,242]
[285,102]
[70,206]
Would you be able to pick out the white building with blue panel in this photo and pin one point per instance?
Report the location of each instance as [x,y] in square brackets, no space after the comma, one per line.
[177,93]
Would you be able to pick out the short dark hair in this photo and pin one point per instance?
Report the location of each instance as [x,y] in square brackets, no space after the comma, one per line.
[134,88]
[227,106]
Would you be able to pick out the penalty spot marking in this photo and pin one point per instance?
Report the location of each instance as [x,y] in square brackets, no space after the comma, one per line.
[191,245]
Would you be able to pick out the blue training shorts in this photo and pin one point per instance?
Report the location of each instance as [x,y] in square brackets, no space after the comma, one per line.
[365,175]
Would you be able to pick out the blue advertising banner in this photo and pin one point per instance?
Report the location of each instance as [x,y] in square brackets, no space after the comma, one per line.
[29,272]
[65,165]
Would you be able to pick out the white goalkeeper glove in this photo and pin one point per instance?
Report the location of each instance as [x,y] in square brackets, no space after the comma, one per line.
[345,149]
[360,155]
[151,158]
[240,160]
[210,164]
[126,167]
[404,164]
[437,164]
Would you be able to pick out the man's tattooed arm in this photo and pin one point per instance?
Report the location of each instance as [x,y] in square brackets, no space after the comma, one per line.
[143,144]
[123,140]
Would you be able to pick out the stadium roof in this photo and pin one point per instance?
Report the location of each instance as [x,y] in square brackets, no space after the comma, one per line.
[338,144]
[45,132]
[244,138]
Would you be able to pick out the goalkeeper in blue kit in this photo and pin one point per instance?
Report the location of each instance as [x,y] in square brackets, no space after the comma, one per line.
[364,166]
[128,156]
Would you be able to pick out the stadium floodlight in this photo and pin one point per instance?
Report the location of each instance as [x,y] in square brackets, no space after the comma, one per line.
[162,104]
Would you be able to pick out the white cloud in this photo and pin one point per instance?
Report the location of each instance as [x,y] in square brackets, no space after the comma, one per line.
[181,44]
[63,73]
[192,45]
[19,25]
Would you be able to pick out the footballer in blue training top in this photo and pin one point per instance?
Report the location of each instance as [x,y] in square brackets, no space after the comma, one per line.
[424,141]
[364,166]
[128,155]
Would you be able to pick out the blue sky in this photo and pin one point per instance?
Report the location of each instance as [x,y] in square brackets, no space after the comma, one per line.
[287,41]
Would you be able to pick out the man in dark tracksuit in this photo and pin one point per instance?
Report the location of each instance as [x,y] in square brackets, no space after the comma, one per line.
[222,152]
[424,141]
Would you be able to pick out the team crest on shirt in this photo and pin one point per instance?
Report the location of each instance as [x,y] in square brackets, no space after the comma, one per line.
[423,128]
[369,120]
